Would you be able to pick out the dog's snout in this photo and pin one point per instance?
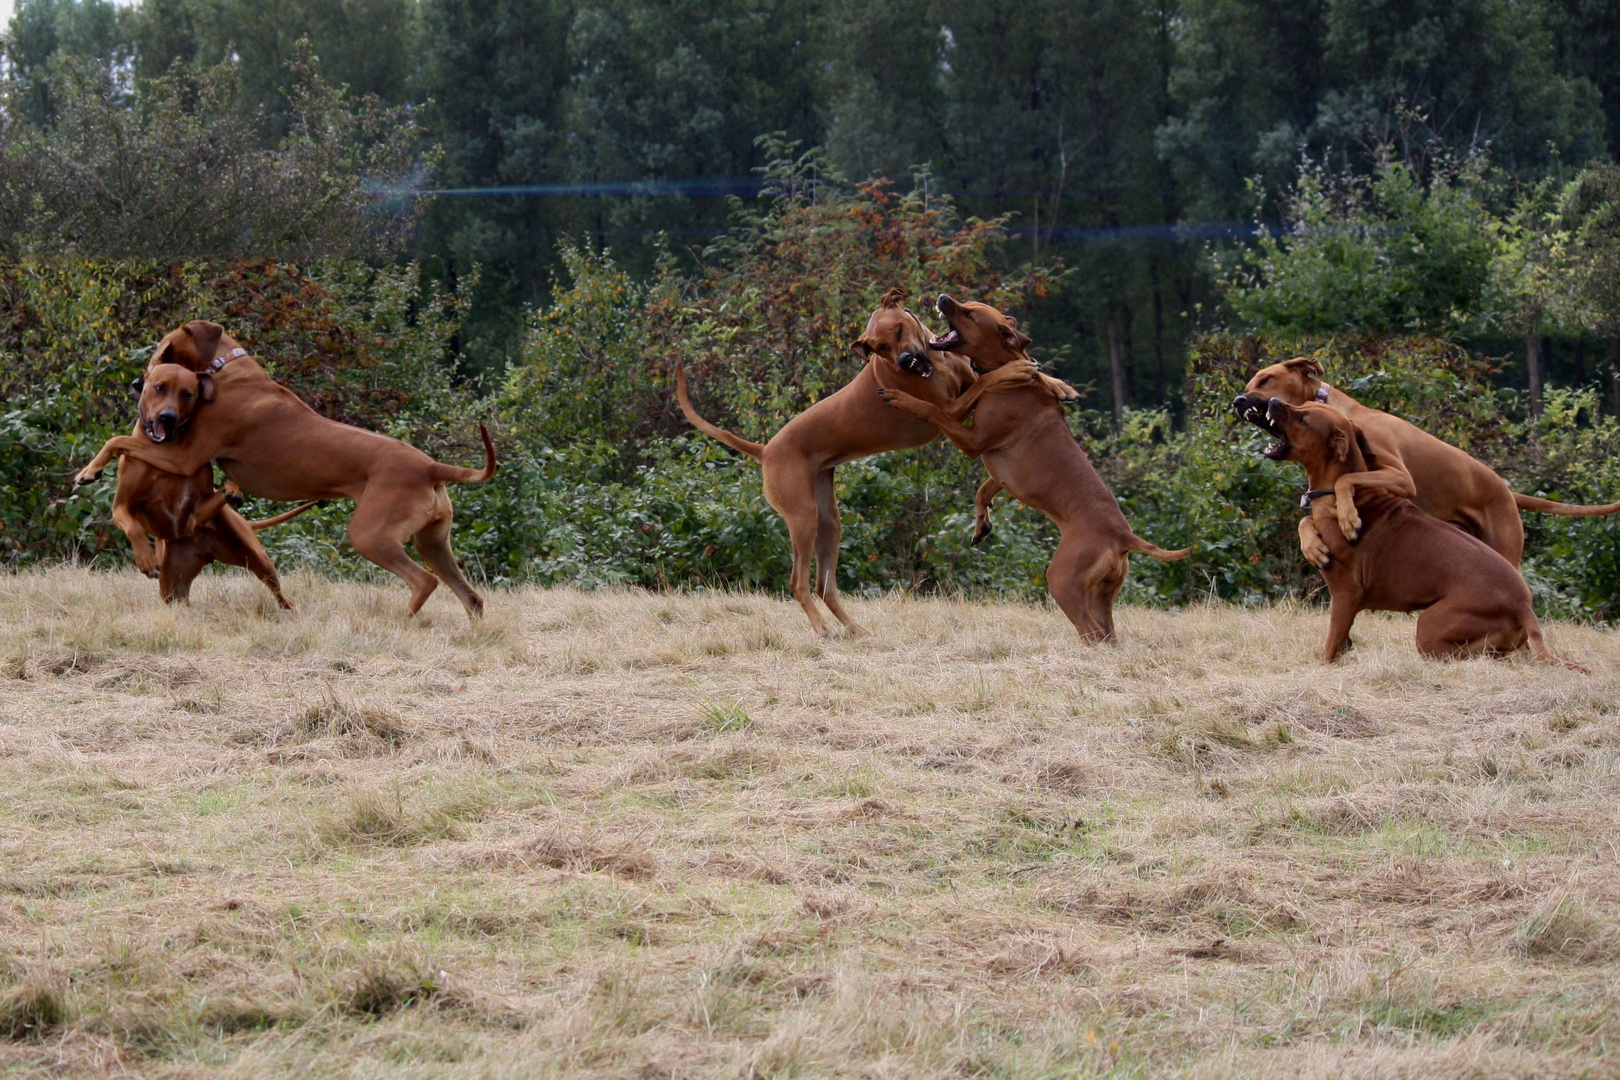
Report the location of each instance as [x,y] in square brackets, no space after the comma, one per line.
[168,416]
[944,304]
[1273,408]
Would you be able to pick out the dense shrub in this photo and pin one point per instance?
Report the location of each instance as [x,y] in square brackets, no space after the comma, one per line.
[601,482]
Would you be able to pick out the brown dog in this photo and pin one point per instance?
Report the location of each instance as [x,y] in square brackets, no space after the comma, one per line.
[1473,601]
[1412,464]
[190,520]
[800,458]
[1026,444]
[274,445]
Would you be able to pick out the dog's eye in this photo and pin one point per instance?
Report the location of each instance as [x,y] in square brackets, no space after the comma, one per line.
[1265,381]
[185,395]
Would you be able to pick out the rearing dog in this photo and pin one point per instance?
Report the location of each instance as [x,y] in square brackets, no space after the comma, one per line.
[275,446]
[191,521]
[852,423]
[1473,602]
[1443,480]
[1026,444]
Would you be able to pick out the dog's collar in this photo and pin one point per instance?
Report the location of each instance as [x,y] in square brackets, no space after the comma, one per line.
[220,361]
[1322,393]
[1311,496]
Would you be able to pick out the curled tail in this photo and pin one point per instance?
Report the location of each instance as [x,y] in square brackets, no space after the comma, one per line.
[742,446]
[281,518]
[1136,543]
[1547,506]
[455,474]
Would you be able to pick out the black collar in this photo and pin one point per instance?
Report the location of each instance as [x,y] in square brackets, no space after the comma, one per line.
[1311,496]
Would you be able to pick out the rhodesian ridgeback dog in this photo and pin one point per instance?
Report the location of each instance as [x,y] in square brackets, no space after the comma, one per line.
[1472,599]
[852,423]
[1443,480]
[1024,439]
[190,520]
[273,445]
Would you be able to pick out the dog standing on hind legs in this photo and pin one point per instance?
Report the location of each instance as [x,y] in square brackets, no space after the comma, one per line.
[1024,439]
[273,445]
[852,423]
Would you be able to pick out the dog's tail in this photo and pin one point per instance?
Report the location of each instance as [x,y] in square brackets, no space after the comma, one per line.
[283,517]
[455,474]
[1136,543]
[742,446]
[1547,506]
[1538,645]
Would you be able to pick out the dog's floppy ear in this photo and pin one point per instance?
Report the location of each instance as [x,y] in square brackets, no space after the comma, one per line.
[1305,365]
[1339,445]
[1366,451]
[860,346]
[205,335]
[1014,338]
[205,388]
[137,384]
[893,298]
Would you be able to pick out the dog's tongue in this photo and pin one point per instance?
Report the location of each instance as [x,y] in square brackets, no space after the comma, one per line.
[948,340]
[156,434]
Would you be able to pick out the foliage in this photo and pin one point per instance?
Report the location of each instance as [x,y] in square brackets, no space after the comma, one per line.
[181,176]
[363,345]
[1387,255]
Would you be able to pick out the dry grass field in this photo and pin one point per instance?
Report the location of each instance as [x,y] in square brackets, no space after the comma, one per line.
[659,836]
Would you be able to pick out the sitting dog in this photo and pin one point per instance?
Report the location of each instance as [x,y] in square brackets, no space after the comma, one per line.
[1026,444]
[190,520]
[275,446]
[1473,601]
[799,460]
[1413,464]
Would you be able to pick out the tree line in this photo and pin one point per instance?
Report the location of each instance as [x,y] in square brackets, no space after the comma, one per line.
[1124,139]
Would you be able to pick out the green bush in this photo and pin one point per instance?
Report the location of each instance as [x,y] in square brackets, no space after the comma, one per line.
[601,481]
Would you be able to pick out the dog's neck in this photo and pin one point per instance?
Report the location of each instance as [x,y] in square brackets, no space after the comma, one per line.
[229,349]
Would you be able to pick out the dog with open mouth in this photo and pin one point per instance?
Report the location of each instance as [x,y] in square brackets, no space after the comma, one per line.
[1024,440]
[852,423]
[1441,479]
[1473,602]
[189,519]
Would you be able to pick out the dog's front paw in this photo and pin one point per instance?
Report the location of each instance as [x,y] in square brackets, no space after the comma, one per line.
[233,494]
[981,529]
[87,475]
[1349,520]
[146,561]
[1315,551]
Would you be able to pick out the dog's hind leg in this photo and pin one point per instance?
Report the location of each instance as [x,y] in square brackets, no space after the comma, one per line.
[796,502]
[1067,578]
[982,501]
[432,542]
[829,532]
[378,535]
[182,561]
[236,544]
